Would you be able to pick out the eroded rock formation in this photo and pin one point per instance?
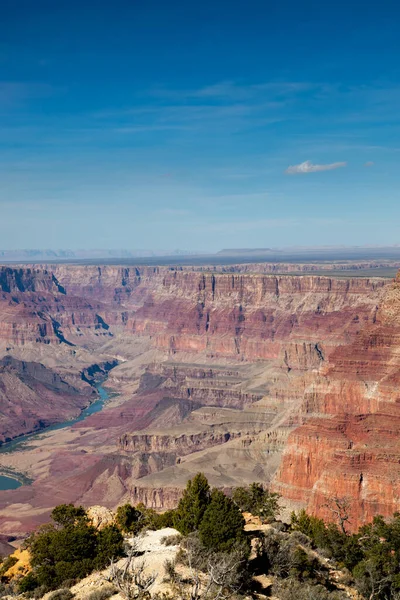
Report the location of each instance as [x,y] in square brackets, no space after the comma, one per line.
[32,397]
[287,379]
[352,450]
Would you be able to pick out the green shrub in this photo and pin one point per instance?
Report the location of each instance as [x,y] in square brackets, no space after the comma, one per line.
[311,526]
[61,594]
[304,566]
[328,539]
[109,545]
[7,563]
[289,555]
[258,501]
[172,540]
[38,593]
[170,569]
[102,593]
[222,524]
[131,519]
[28,583]
[150,519]
[65,515]
[290,589]
[166,519]
[71,548]
[192,505]
[128,519]
[372,554]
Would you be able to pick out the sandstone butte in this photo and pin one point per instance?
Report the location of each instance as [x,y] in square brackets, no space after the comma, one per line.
[289,380]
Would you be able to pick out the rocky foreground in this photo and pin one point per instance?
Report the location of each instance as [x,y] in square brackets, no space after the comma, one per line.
[288,380]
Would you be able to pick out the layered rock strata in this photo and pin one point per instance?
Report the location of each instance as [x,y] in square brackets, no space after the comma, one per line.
[238,369]
[352,449]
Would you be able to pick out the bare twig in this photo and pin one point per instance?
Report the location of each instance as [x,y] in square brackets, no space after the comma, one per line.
[131,579]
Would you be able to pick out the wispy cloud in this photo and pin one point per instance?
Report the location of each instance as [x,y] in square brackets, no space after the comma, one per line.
[309,167]
[228,106]
[369,163]
[235,91]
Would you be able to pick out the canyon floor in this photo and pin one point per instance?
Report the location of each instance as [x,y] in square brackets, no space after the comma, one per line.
[239,372]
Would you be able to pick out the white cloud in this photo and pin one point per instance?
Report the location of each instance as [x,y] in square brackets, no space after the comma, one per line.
[309,167]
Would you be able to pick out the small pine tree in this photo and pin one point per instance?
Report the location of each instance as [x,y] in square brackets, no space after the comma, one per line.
[128,518]
[222,524]
[192,505]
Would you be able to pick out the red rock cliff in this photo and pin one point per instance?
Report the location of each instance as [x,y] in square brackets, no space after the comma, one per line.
[354,451]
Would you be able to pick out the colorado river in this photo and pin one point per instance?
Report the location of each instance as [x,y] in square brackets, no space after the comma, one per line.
[11,483]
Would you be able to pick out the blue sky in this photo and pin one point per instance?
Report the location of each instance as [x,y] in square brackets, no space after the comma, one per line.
[177,124]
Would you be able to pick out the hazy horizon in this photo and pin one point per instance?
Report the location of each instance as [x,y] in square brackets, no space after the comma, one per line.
[377,256]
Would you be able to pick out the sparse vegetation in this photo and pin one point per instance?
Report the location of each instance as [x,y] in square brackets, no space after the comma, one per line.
[306,560]
[212,574]
[69,548]
[290,589]
[171,540]
[257,501]
[372,554]
[131,580]
[102,593]
[170,570]
[61,594]
[7,589]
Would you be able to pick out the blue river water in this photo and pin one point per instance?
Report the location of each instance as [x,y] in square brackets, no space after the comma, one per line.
[9,483]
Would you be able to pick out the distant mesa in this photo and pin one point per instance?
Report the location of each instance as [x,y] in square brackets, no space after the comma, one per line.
[246,251]
[180,257]
[37,255]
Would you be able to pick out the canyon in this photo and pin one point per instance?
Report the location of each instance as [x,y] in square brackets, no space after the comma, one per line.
[238,371]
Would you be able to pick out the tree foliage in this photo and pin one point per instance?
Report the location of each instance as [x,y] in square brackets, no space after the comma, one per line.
[65,515]
[69,548]
[222,524]
[193,505]
[133,519]
[258,501]
[372,554]
[128,518]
